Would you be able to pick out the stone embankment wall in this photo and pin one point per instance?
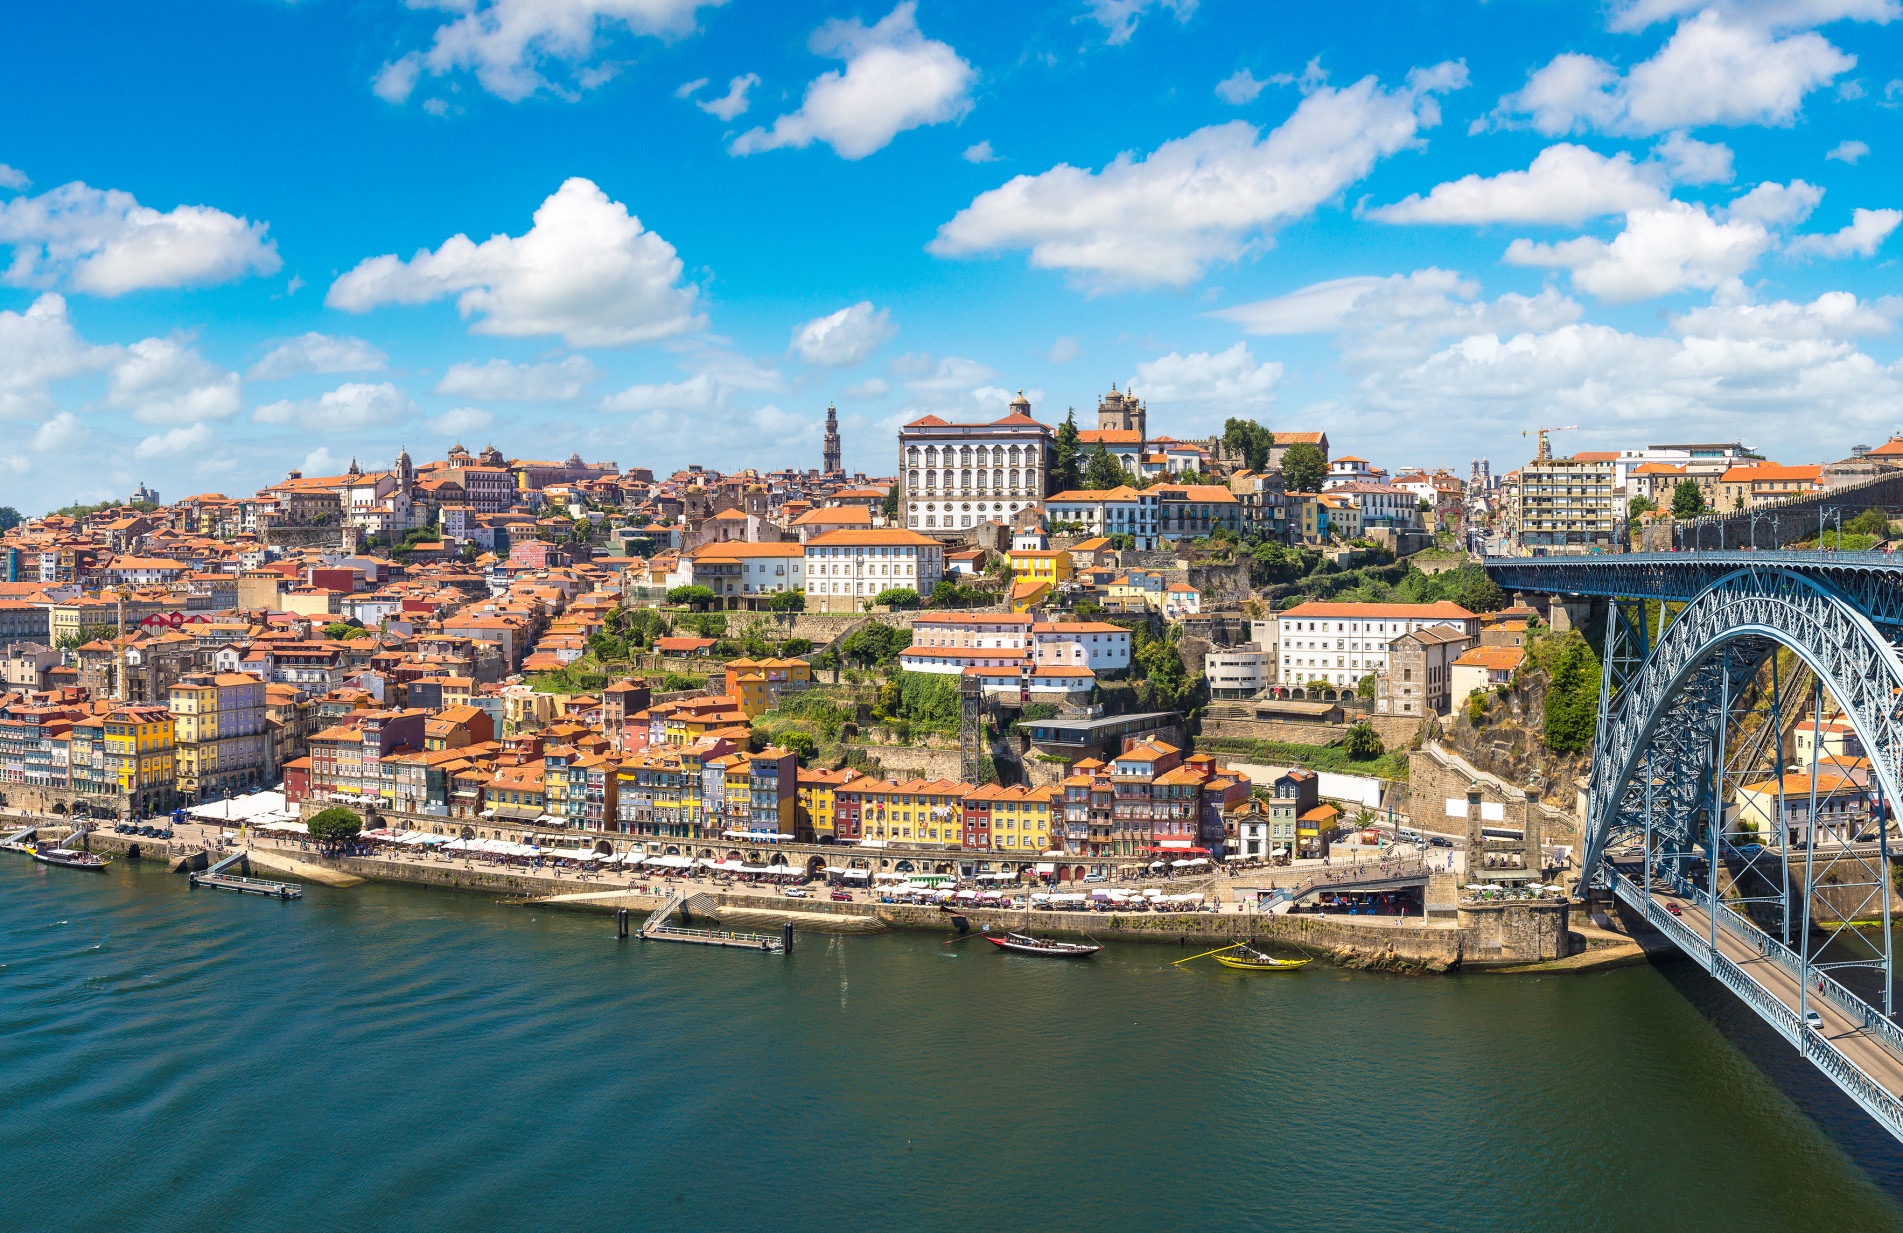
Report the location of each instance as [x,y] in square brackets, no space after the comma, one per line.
[1506,934]
[1435,776]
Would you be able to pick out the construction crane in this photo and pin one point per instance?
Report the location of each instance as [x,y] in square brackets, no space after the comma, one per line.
[1545,453]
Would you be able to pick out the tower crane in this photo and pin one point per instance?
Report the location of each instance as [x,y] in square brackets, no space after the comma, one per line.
[1545,452]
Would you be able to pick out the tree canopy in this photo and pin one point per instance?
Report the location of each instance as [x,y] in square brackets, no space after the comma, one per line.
[1102,471]
[1065,455]
[1303,468]
[693,596]
[1572,693]
[875,642]
[333,826]
[1362,742]
[9,518]
[1687,500]
[1249,439]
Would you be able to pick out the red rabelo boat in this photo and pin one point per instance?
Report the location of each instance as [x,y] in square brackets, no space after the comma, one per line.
[1025,944]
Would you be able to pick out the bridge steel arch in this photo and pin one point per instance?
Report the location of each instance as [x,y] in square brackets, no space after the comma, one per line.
[1659,727]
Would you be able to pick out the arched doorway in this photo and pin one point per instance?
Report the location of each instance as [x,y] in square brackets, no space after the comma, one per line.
[816,866]
[468,832]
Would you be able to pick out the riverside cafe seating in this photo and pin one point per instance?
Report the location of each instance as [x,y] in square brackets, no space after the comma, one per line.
[1106,899]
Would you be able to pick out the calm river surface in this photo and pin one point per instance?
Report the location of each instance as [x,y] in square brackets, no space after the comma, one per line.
[389,1059]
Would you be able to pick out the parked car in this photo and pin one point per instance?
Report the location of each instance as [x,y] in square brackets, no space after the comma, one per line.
[1095,877]
[840,896]
[1439,841]
[796,892]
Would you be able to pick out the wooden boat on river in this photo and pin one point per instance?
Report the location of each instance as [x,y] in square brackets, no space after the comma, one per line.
[71,858]
[1246,958]
[1047,948]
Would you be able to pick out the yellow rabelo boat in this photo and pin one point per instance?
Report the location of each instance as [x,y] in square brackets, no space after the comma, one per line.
[1246,958]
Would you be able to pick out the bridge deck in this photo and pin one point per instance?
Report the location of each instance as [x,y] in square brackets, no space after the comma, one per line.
[1874,578]
[1854,1046]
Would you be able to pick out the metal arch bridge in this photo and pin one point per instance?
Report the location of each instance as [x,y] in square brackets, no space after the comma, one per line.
[1782,892]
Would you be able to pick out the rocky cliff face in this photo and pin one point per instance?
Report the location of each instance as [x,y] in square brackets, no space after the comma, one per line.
[1505,741]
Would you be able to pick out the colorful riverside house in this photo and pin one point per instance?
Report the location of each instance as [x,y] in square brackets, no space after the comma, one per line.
[139,757]
[818,801]
[1013,819]
[773,792]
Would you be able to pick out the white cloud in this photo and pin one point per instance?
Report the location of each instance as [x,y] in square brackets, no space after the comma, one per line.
[1402,315]
[1239,87]
[1660,251]
[1774,204]
[922,372]
[1119,17]
[700,392]
[351,407]
[871,387]
[734,101]
[318,353]
[62,432]
[19,464]
[1834,314]
[844,338]
[895,79]
[39,347]
[995,396]
[461,420]
[175,442]
[1064,350]
[1867,230]
[499,380]
[1786,377]
[163,381]
[1848,151]
[1206,198]
[1711,71]
[321,461]
[1777,14]
[1228,380]
[513,45]
[1565,184]
[980,153]
[587,270]
[13,178]
[1691,161]
[102,241]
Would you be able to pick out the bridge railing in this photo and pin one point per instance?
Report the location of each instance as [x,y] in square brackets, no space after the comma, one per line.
[1823,985]
[1783,556]
[1861,1088]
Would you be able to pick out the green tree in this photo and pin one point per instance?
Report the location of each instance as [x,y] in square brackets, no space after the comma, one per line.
[1303,468]
[802,745]
[890,506]
[1687,500]
[1066,456]
[1159,665]
[694,597]
[896,597]
[335,826]
[1637,506]
[1102,471]
[1249,439]
[875,642]
[787,601]
[1869,522]
[1364,688]
[1572,693]
[9,518]
[1363,743]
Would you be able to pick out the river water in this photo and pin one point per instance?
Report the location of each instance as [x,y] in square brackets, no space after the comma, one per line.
[385,1058]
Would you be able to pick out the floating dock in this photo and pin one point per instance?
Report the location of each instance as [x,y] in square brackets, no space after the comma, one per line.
[217,878]
[656,929]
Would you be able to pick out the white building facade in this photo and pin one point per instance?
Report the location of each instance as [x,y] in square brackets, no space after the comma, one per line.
[845,569]
[1338,644]
[955,476]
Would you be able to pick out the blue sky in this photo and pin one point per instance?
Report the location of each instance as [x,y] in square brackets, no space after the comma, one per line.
[241,236]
